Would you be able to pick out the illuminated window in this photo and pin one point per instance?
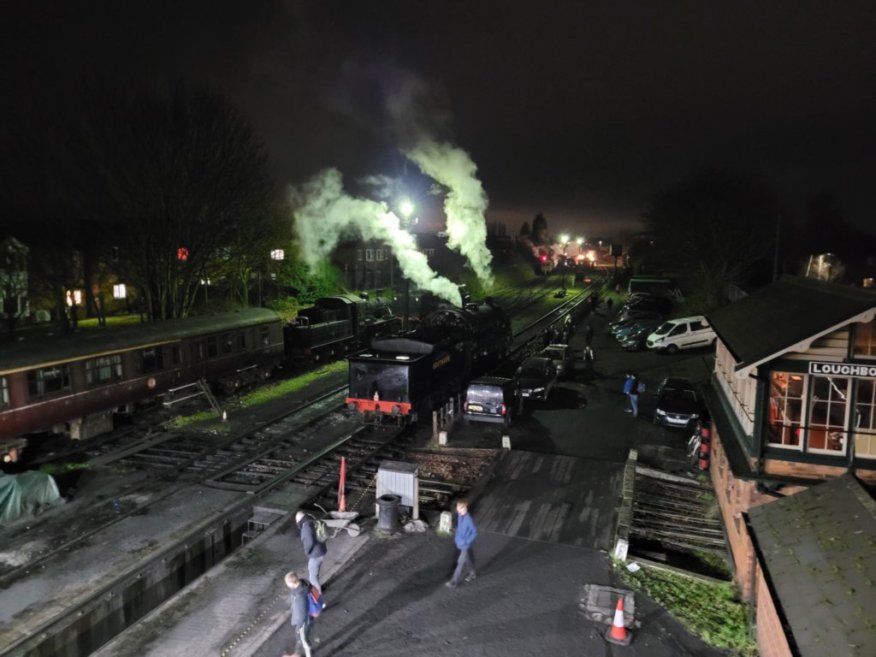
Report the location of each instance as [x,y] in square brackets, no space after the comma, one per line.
[828,408]
[48,381]
[865,419]
[369,255]
[379,254]
[4,392]
[865,340]
[785,413]
[119,291]
[278,254]
[103,369]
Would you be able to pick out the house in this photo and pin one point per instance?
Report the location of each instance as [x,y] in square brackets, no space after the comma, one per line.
[792,403]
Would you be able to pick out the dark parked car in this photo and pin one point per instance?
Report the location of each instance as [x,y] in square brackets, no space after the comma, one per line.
[536,377]
[678,404]
[626,330]
[491,399]
[649,303]
[561,355]
[633,318]
[636,340]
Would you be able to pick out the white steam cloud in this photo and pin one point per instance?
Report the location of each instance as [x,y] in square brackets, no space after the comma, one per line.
[324,213]
[465,202]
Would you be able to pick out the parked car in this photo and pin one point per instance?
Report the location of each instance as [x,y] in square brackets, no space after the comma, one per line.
[637,326]
[682,333]
[632,318]
[635,341]
[491,399]
[561,355]
[536,377]
[649,303]
[678,404]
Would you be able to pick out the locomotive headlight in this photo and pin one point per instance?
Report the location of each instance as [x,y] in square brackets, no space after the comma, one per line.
[538,390]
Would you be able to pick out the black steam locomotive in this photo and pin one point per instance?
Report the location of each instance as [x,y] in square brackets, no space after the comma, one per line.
[337,325]
[407,375]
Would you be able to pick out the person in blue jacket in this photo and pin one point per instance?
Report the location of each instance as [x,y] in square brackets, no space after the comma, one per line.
[466,533]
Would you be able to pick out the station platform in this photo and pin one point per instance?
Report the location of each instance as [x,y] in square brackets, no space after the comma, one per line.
[542,538]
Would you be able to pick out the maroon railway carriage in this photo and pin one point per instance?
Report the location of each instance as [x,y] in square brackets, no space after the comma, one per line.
[74,384]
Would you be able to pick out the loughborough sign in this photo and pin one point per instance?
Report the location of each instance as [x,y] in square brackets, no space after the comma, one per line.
[843,369]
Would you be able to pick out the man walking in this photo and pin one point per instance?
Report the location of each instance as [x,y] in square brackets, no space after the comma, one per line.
[301,620]
[634,395]
[628,386]
[314,549]
[466,533]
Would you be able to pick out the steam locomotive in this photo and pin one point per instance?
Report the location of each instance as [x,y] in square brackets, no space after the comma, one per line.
[406,375]
[336,325]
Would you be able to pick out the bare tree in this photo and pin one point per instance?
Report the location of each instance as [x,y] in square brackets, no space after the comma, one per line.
[180,177]
[719,227]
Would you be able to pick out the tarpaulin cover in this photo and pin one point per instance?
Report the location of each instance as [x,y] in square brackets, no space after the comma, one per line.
[25,493]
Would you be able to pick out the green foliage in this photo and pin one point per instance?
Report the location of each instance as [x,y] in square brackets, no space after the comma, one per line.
[325,280]
[62,468]
[113,320]
[710,610]
[277,390]
[183,421]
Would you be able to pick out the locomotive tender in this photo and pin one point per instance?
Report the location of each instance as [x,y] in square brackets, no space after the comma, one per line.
[409,374]
[74,384]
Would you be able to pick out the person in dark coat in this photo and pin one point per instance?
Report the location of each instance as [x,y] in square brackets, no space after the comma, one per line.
[466,533]
[314,549]
[301,620]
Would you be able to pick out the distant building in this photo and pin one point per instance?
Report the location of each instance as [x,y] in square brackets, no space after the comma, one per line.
[13,279]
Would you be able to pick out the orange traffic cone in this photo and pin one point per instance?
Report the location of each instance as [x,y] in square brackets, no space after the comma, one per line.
[618,633]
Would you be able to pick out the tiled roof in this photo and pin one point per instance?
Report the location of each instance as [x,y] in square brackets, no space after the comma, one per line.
[784,314]
[818,549]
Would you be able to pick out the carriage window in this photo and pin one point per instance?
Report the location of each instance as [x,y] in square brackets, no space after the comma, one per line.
[175,355]
[105,368]
[197,351]
[48,381]
[241,341]
[265,335]
[227,343]
[212,346]
[151,359]
[4,392]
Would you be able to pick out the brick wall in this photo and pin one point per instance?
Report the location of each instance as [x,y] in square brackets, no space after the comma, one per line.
[771,641]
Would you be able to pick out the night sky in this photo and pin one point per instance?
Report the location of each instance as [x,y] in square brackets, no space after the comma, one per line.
[579,110]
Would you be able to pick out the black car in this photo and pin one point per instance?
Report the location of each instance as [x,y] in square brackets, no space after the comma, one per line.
[491,399]
[678,404]
[536,377]
[637,339]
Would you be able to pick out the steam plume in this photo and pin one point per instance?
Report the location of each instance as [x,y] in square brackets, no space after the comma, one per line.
[465,202]
[324,213]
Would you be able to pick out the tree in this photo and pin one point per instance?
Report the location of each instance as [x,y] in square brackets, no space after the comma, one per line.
[719,228]
[539,230]
[187,184]
[525,230]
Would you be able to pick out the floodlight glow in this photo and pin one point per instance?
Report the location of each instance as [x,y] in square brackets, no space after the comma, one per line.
[564,239]
[406,207]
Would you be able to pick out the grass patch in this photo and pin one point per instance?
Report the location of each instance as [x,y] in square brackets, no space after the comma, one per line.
[277,390]
[183,421]
[711,610]
[113,320]
[56,469]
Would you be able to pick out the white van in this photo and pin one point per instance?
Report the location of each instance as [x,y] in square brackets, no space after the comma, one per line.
[682,333]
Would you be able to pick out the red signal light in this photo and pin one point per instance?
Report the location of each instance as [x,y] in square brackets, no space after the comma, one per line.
[182,254]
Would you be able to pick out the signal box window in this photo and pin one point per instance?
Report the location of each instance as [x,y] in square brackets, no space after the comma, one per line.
[4,392]
[48,381]
[865,419]
[103,369]
[151,359]
[785,409]
[865,340]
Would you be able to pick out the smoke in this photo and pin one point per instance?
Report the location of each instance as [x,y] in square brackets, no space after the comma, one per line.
[324,213]
[465,202]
